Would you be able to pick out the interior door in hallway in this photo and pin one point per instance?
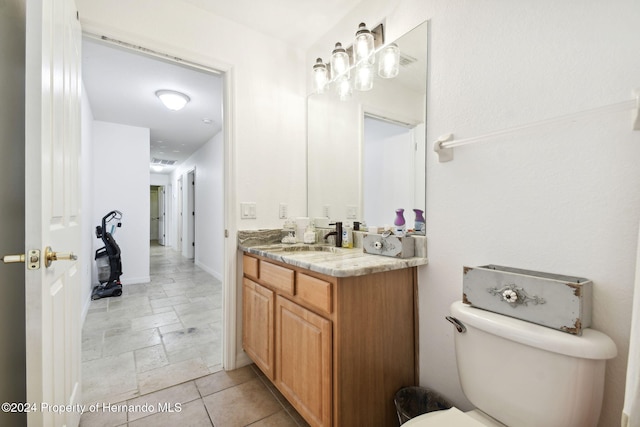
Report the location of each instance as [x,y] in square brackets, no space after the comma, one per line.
[191,215]
[52,192]
[161,215]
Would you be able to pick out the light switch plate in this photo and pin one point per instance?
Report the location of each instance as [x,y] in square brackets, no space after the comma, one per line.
[248,210]
[283,211]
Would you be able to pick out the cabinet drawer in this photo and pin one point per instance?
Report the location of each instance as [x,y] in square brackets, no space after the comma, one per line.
[280,278]
[315,292]
[250,266]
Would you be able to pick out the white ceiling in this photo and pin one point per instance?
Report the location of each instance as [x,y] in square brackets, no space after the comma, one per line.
[121,83]
[121,86]
[297,22]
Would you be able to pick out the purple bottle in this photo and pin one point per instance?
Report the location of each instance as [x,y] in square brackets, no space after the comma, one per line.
[400,227]
[419,226]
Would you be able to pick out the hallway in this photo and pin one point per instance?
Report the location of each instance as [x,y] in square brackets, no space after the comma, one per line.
[160,344]
[157,334]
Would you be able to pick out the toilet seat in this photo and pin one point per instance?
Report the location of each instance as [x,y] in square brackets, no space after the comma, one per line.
[452,418]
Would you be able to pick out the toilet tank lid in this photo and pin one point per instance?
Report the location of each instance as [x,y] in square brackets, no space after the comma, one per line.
[591,345]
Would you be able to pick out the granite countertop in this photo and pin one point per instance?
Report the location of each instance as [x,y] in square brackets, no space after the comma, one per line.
[322,258]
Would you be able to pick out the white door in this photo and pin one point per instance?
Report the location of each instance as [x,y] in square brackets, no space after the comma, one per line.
[161,215]
[153,213]
[52,192]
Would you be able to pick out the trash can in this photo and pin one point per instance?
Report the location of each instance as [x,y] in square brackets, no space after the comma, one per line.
[413,401]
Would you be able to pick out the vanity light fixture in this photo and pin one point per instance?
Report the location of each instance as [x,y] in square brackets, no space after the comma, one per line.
[361,57]
[172,99]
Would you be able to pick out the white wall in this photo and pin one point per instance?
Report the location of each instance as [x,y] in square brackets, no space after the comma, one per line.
[562,200]
[208,163]
[121,182]
[388,146]
[86,259]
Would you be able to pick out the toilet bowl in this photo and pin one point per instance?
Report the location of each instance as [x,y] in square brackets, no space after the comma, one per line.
[520,374]
[453,418]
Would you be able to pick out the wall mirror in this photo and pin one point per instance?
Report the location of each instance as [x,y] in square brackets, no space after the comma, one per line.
[366,156]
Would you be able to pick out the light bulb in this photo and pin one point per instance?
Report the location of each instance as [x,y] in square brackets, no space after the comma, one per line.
[363,46]
[339,62]
[343,87]
[389,64]
[364,76]
[320,76]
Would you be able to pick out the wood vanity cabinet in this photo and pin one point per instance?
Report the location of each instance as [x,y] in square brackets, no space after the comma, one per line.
[337,348]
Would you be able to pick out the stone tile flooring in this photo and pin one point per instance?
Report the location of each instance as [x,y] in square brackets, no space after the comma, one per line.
[152,357]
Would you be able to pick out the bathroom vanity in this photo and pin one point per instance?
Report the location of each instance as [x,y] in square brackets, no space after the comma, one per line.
[334,329]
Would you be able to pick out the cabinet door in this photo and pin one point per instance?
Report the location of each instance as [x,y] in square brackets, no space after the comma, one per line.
[257,326]
[304,361]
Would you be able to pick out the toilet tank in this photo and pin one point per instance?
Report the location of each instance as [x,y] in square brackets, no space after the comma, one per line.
[527,375]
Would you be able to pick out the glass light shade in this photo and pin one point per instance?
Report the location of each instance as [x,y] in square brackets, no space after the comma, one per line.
[364,77]
[320,77]
[343,88]
[173,100]
[363,46]
[389,62]
[339,62]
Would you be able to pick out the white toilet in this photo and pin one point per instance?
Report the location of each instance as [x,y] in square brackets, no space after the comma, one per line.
[520,374]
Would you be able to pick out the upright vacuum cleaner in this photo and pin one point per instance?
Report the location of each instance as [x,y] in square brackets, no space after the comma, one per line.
[108,259]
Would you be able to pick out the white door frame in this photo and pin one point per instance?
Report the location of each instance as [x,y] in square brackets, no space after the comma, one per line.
[231,357]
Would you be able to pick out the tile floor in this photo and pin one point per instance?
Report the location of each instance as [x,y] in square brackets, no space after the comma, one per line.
[152,357]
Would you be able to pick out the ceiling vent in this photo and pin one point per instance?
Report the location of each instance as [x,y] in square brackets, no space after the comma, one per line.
[162,162]
[406,60]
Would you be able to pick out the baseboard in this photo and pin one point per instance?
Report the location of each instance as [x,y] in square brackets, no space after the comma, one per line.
[135,280]
[212,272]
[242,360]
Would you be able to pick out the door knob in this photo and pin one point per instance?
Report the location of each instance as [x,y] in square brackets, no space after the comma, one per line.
[50,256]
[32,259]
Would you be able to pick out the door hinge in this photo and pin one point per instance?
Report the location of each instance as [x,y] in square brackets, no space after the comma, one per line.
[226,233]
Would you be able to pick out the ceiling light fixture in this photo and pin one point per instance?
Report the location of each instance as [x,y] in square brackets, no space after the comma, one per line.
[172,99]
[361,56]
